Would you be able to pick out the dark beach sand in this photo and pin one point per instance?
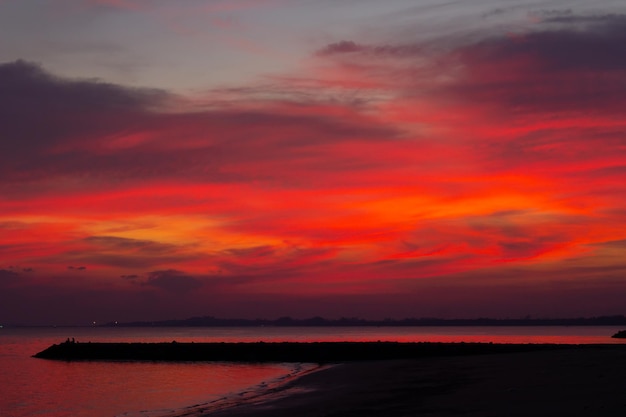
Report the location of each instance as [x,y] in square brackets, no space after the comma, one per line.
[583,381]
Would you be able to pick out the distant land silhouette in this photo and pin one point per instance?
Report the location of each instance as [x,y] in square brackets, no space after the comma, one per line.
[209,321]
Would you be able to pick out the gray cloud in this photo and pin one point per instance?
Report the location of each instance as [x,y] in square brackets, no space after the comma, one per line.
[569,48]
[523,248]
[611,20]
[77,268]
[87,130]
[147,247]
[351,47]
[131,276]
[38,110]
[256,251]
[128,253]
[172,280]
[8,277]
[568,68]
[341,47]
[618,244]
[124,260]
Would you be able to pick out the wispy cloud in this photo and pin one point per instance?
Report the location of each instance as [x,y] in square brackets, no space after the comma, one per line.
[392,167]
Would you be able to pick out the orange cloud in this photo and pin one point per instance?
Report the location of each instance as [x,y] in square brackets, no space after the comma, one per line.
[495,164]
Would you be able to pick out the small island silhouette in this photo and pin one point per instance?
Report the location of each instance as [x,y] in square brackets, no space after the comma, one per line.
[620,335]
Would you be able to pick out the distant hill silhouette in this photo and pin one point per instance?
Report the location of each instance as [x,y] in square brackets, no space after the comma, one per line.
[209,321]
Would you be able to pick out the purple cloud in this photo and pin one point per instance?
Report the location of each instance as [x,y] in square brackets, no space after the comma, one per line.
[172,280]
[57,127]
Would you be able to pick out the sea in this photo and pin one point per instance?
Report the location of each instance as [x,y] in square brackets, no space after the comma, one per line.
[39,387]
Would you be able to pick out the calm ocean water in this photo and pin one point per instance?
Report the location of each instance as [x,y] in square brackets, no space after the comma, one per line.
[36,387]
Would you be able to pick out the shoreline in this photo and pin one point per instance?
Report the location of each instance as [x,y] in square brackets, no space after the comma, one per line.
[559,382]
[252,396]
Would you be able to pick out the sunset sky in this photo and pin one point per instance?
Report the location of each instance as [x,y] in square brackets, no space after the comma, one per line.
[265,158]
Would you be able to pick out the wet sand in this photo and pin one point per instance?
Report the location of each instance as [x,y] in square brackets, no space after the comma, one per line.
[585,381]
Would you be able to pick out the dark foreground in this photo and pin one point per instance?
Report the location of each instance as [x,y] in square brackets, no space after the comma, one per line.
[320,352]
[569,382]
[414,379]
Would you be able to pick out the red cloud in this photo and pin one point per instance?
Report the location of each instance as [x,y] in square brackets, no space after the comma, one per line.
[398,170]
